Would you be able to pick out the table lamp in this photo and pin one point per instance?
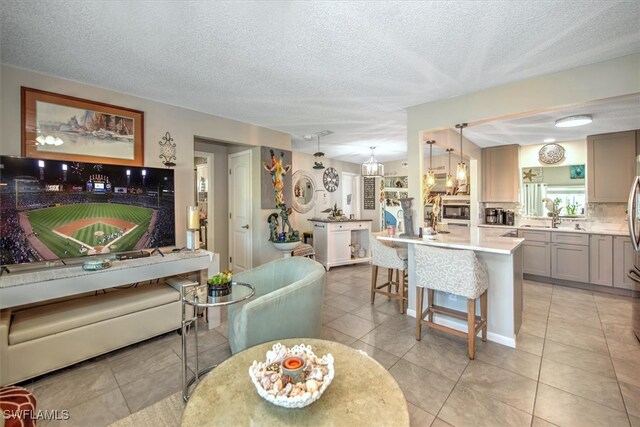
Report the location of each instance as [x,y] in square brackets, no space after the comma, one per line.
[193,227]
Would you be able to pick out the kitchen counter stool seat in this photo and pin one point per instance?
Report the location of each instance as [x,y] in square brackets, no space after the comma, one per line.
[394,260]
[457,272]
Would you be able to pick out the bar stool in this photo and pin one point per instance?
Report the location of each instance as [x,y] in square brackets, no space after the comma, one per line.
[304,249]
[393,259]
[458,272]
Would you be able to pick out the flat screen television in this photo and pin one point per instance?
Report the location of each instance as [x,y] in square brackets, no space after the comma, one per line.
[53,209]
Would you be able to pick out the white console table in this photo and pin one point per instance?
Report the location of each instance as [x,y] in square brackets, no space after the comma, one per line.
[333,241]
[34,286]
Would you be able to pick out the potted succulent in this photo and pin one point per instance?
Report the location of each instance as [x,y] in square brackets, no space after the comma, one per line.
[220,284]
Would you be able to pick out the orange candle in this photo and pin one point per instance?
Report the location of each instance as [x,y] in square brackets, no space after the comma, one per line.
[292,363]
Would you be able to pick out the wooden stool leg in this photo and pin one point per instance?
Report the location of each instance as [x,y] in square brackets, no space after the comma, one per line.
[374,277]
[471,324]
[401,290]
[419,295]
[483,314]
[430,295]
[389,279]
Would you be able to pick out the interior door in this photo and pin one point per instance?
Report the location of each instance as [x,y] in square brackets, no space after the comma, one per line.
[351,194]
[240,206]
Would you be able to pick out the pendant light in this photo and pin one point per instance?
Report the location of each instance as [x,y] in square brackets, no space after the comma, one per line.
[449,183]
[372,168]
[461,171]
[431,174]
[318,155]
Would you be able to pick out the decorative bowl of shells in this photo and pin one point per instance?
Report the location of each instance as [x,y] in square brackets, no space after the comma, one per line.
[275,386]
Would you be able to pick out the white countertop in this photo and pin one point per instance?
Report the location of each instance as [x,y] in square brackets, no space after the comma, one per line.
[610,230]
[476,239]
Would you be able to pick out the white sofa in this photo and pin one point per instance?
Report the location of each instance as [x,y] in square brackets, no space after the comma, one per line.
[37,339]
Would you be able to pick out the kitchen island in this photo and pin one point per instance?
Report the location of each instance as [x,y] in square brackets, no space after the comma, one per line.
[341,241]
[503,258]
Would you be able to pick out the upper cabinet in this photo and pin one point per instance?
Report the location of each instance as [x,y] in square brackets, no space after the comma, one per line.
[500,173]
[611,162]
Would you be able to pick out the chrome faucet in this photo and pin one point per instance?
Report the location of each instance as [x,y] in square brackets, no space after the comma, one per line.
[554,211]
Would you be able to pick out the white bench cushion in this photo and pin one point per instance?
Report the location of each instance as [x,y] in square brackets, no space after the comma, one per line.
[44,320]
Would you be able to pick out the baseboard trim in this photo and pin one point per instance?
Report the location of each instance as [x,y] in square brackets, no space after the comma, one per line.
[581,285]
[461,326]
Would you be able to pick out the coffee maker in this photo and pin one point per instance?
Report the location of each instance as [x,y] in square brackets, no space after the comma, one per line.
[490,216]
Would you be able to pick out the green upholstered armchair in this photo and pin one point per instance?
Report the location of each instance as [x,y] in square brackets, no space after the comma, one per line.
[287,303]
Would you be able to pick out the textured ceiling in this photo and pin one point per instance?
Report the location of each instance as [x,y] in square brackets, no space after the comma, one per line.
[301,67]
[609,115]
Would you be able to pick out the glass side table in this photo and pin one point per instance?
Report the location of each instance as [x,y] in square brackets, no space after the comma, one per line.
[195,294]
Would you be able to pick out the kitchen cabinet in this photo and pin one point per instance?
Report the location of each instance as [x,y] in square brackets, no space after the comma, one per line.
[623,260]
[610,166]
[536,252]
[337,242]
[569,262]
[537,258]
[500,173]
[601,259]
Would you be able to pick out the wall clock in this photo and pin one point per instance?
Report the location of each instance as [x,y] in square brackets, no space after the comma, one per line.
[330,179]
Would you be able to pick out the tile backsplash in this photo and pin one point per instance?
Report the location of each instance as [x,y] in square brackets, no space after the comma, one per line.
[607,212]
[604,213]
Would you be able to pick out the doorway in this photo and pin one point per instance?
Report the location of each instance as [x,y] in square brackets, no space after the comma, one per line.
[351,194]
[240,211]
[203,163]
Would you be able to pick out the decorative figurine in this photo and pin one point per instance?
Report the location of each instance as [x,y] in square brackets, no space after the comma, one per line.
[284,215]
[407,214]
[273,227]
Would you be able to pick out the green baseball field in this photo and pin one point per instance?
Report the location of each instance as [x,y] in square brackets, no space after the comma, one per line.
[74,230]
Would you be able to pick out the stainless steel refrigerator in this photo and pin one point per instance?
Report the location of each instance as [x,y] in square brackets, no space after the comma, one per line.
[634,231]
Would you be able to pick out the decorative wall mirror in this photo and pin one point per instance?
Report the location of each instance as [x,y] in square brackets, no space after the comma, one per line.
[304,188]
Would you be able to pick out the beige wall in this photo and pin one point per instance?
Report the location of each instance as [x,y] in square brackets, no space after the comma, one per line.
[184,125]
[616,77]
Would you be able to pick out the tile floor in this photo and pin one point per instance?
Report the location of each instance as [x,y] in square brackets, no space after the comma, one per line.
[577,363]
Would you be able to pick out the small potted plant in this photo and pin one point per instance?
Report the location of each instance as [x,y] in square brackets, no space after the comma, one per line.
[220,284]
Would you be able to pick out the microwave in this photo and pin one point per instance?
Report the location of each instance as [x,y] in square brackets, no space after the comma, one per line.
[456,211]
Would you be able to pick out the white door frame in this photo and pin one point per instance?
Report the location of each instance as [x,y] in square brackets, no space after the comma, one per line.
[230,205]
[355,191]
[210,188]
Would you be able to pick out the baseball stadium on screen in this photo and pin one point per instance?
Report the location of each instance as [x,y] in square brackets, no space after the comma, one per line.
[52,209]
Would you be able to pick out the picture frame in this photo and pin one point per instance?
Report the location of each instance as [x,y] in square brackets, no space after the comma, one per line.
[576,172]
[63,127]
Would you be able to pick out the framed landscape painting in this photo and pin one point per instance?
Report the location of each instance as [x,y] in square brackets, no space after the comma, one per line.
[61,127]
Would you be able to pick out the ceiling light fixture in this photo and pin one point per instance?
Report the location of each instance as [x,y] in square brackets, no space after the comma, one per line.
[573,121]
[449,183]
[372,168]
[319,154]
[431,174]
[461,172]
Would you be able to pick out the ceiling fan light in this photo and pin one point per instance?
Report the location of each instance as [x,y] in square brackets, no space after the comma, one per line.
[431,178]
[461,173]
[573,121]
[372,168]
[449,183]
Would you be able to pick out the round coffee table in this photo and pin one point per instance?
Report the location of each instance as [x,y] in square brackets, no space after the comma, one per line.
[362,393]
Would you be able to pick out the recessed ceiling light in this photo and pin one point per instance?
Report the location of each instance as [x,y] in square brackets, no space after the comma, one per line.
[547,140]
[573,121]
